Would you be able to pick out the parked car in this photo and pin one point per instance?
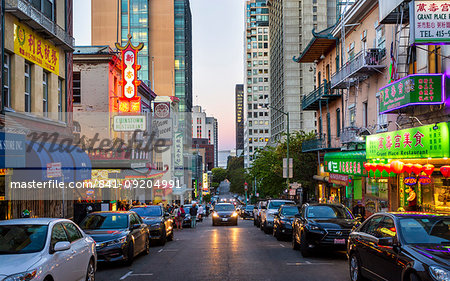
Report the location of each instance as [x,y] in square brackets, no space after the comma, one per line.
[187,208]
[322,225]
[45,249]
[268,215]
[260,206]
[224,213]
[159,222]
[119,236]
[401,246]
[247,212]
[282,223]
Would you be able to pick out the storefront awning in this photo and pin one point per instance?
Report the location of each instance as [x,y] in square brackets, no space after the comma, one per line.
[320,178]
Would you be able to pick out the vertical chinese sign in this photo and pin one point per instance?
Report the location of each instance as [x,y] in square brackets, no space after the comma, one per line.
[130,102]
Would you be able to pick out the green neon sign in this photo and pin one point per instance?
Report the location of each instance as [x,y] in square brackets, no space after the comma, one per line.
[431,141]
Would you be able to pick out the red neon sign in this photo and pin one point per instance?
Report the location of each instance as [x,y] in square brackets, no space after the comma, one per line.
[130,101]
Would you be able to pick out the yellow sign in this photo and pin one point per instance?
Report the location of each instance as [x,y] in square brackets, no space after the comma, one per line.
[2,198]
[205,182]
[34,48]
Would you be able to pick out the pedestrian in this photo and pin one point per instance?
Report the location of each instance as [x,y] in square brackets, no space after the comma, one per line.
[359,210]
[200,212]
[193,213]
[180,213]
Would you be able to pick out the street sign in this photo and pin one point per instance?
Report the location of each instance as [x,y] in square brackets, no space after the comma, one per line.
[291,165]
[245,186]
[257,194]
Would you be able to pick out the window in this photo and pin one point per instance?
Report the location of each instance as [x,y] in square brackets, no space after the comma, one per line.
[60,100]
[365,114]
[72,232]
[58,235]
[133,219]
[76,87]
[27,87]
[338,122]
[370,226]
[314,9]
[381,118]
[7,80]
[381,38]
[45,6]
[352,115]
[386,228]
[45,93]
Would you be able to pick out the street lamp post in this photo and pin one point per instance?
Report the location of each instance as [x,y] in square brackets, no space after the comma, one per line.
[287,142]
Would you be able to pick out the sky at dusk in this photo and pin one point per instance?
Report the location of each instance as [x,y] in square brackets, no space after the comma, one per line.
[218,59]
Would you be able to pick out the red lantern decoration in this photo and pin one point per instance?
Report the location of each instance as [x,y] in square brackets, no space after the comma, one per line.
[397,166]
[445,171]
[417,169]
[408,168]
[379,167]
[428,169]
[368,166]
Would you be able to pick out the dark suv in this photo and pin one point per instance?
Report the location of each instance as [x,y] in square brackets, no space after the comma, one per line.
[159,222]
[322,225]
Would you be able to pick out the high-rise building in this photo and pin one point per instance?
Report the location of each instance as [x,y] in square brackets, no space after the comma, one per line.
[257,119]
[291,23]
[212,128]
[165,28]
[239,99]
[204,127]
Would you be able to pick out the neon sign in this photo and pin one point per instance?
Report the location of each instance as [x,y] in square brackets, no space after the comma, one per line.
[130,101]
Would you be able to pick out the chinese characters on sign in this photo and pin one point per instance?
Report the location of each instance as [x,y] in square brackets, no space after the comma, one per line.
[412,90]
[430,21]
[422,142]
[346,163]
[339,179]
[178,155]
[36,49]
[130,101]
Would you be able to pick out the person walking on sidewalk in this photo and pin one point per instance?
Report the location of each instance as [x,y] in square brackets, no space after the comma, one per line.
[193,213]
[179,213]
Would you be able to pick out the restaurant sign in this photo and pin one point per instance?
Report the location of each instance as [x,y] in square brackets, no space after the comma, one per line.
[346,163]
[431,141]
[339,179]
[29,45]
[416,89]
[430,21]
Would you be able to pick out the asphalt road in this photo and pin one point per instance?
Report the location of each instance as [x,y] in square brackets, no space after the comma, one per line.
[240,252]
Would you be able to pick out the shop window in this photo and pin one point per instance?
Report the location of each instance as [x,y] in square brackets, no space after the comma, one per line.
[76,87]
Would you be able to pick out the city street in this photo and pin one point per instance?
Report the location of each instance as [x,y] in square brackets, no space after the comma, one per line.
[227,253]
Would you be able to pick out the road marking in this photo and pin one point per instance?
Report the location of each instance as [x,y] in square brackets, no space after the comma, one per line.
[142,274]
[307,263]
[126,275]
[160,250]
[282,245]
[171,250]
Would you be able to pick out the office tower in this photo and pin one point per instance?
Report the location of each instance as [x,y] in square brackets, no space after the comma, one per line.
[239,100]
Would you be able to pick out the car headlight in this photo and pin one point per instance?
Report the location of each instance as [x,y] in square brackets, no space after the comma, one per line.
[439,274]
[23,276]
[117,241]
[215,215]
[234,214]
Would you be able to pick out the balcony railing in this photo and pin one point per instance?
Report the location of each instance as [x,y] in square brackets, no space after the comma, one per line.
[358,69]
[312,100]
[37,20]
[321,142]
[351,135]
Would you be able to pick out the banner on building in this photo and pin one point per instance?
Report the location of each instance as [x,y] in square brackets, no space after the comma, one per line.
[36,49]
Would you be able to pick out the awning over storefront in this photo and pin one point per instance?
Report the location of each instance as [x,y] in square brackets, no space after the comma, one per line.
[320,178]
[346,163]
[12,150]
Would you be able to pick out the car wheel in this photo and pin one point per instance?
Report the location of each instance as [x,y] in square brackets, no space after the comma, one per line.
[213,223]
[90,274]
[306,252]
[170,237]
[254,221]
[295,245]
[261,225]
[147,246]
[414,277]
[266,229]
[130,255]
[277,235]
[162,239]
[355,269]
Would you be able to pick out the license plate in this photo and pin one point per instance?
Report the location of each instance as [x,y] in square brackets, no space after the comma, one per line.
[339,241]
[224,219]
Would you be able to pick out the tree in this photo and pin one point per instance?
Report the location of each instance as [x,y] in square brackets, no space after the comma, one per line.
[207,198]
[236,174]
[218,175]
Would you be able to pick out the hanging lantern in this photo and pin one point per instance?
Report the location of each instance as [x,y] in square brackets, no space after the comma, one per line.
[428,169]
[379,167]
[445,171]
[408,168]
[417,169]
[368,166]
[397,166]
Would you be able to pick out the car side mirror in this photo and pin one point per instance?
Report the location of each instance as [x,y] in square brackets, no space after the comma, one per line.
[386,241]
[135,226]
[61,246]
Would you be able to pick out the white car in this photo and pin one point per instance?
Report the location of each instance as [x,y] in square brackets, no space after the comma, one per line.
[267,215]
[45,249]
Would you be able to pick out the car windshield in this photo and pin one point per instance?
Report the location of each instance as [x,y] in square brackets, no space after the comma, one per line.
[148,211]
[105,221]
[277,204]
[290,211]
[227,207]
[249,207]
[22,239]
[328,212]
[426,230]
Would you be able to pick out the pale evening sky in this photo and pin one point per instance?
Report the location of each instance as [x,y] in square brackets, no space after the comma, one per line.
[218,64]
